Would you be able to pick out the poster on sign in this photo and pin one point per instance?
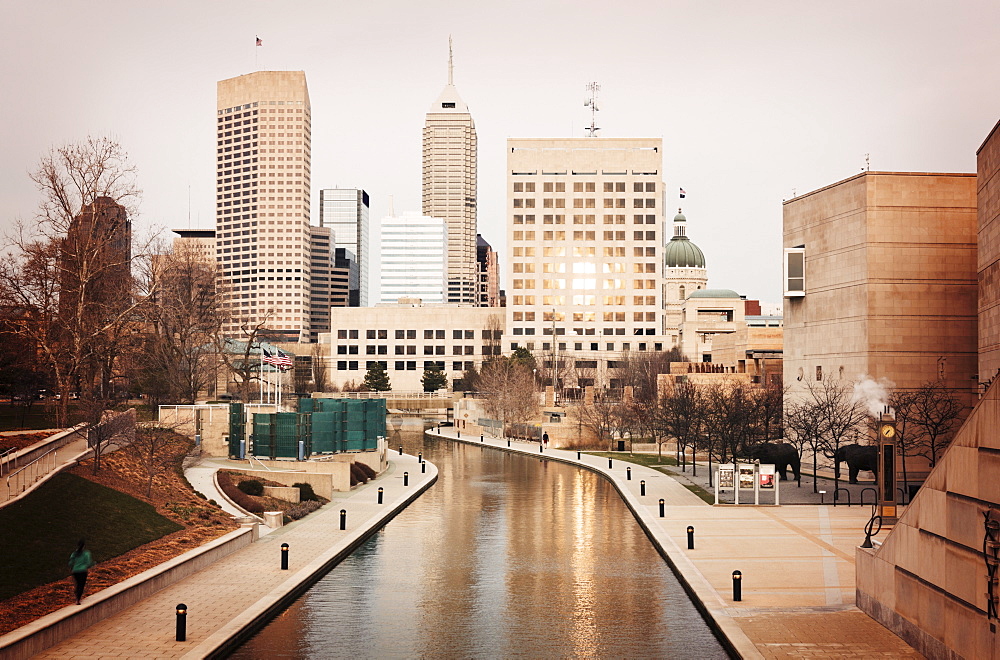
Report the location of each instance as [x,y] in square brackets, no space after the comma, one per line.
[767,476]
[726,477]
[746,477]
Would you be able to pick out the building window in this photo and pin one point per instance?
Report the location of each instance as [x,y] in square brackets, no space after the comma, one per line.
[795,280]
[819,372]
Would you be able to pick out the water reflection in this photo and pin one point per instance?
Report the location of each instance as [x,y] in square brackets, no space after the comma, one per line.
[504,557]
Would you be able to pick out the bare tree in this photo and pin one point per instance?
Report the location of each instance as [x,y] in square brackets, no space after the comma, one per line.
[242,357]
[842,416]
[321,381]
[186,319]
[156,449]
[509,390]
[602,416]
[804,427]
[936,413]
[639,370]
[681,416]
[69,272]
[907,436]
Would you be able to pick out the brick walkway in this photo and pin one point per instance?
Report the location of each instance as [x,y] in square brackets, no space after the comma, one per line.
[797,564]
[228,595]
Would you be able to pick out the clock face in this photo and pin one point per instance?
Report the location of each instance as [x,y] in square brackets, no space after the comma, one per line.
[888,431]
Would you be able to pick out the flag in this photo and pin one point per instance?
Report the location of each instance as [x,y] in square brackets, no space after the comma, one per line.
[682,193]
[259,42]
[279,360]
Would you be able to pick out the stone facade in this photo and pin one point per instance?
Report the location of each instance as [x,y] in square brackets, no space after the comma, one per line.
[927,582]
[988,194]
[890,284]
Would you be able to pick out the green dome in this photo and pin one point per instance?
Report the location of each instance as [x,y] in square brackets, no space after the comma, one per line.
[714,293]
[680,217]
[680,252]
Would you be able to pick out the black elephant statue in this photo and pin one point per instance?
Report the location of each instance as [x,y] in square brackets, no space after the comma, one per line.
[858,457]
[781,454]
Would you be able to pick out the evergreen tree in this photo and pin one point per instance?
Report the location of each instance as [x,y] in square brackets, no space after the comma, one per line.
[376,379]
[433,379]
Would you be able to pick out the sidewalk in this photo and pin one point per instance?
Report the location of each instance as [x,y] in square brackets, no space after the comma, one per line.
[12,488]
[230,595]
[797,562]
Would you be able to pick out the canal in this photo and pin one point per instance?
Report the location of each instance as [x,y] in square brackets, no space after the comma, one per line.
[506,556]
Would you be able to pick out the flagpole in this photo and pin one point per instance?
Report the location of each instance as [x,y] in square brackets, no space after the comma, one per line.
[261,372]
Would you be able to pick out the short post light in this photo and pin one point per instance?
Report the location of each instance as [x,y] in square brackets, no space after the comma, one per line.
[406,478]
[690,531]
[737,586]
[182,612]
[343,518]
[420,457]
[628,474]
[662,511]
[380,492]
[642,487]
[423,467]
[400,450]
[284,556]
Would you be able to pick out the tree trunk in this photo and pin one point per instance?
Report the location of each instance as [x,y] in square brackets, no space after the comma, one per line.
[815,477]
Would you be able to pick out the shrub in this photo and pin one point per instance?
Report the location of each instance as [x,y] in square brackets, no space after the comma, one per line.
[240,498]
[306,492]
[358,476]
[301,509]
[251,487]
[367,470]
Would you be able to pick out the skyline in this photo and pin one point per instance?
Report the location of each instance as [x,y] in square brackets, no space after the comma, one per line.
[752,103]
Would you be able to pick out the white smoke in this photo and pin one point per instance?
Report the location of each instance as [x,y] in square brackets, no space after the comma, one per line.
[874,394]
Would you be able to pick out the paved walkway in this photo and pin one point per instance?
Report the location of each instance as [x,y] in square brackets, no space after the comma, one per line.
[797,563]
[15,483]
[229,594]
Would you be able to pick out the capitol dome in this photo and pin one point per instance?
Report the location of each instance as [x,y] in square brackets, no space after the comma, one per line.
[681,252]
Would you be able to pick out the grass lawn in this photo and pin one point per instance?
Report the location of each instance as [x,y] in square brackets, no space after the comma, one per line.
[40,531]
[649,460]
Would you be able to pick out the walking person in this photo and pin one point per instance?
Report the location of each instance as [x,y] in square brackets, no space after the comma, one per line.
[545,440]
[79,563]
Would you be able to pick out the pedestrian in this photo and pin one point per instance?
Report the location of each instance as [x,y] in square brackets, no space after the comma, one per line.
[79,563]
[545,439]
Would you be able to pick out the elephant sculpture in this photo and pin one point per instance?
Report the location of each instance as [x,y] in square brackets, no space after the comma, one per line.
[781,454]
[858,457]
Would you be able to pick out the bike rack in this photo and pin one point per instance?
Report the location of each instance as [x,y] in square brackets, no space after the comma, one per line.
[874,494]
[838,491]
[902,496]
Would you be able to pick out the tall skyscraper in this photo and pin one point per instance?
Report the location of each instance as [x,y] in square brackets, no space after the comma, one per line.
[262,202]
[449,185]
[96,260]
[345,212]
[413,258]
[584,236]
[488,270]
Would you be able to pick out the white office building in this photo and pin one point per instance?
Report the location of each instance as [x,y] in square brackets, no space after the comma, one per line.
[345,212]
[414,258]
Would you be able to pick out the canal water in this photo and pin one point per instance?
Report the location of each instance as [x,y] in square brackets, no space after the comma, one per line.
[506,556]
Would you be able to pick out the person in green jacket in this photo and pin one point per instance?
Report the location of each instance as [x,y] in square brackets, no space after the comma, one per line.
[79,563]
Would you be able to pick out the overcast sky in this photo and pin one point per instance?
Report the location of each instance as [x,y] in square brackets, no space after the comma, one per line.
[754,101]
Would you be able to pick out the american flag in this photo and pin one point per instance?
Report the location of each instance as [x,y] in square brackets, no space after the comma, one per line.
[682,193]
[259,42]
[279,360]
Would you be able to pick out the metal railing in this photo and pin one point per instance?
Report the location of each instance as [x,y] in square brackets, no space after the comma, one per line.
[21,479]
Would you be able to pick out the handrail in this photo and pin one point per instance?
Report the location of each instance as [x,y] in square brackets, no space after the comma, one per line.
[21,485]
[251,459]
[4,463]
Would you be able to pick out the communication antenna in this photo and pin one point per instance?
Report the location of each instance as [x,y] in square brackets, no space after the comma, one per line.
[591,100]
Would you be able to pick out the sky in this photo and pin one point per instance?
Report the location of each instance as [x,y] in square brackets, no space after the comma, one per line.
[755,101]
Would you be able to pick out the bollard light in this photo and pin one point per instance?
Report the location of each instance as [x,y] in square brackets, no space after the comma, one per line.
[380,490]
[420,457]
[642,487]
[400,450]
[284,556]
[423,467]
[539,449]
[481,438]
[609,463]
[406,478]
[459,434]
[628,474]
[343,518]
[182,612]
[577,455]
[690,531]
[737,586]
[661,507]
[508,442]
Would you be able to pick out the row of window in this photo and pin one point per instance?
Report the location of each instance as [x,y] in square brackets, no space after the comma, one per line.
[412,334]
[585,283]
[400,365]
[584,251]
[583,346]
[608,219]
[584,236]
[585,203]
[371,349]
[592,331]
[619,301]
[585,186]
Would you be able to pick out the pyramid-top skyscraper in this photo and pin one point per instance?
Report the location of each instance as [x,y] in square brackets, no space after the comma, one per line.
[449,185]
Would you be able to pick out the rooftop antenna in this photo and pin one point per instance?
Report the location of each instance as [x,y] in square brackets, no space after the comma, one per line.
[591,100]
[451,65]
